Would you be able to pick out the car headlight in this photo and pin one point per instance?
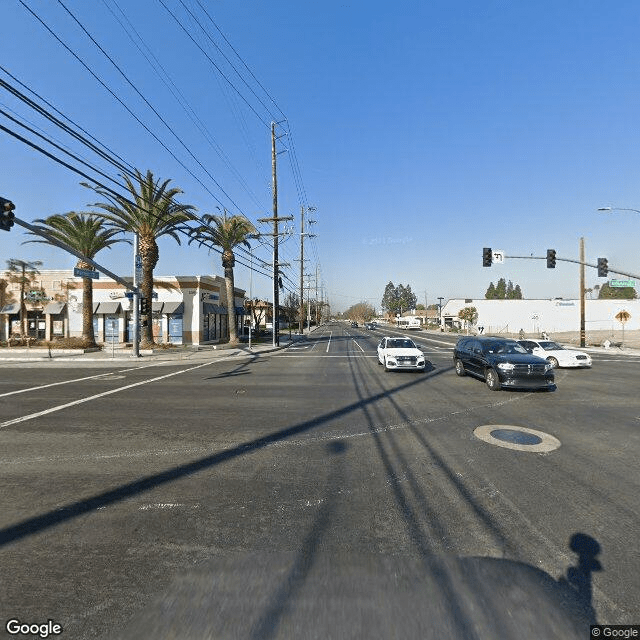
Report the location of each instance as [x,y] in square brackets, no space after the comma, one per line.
[548,367]
[506,366]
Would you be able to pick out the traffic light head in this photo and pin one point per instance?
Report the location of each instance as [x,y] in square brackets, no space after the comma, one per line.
[487,257]
[551,258]
[6,214]
[603,267]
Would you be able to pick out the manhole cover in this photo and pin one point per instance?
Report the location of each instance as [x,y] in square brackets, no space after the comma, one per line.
[515,437]
[518,438]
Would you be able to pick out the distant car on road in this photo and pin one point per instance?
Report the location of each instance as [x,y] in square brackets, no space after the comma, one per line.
[501,363]
[556,354]
[400,353]
[354,324]
[370,325]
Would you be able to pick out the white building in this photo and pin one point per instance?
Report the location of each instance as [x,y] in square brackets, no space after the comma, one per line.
[185,309]
[536,316]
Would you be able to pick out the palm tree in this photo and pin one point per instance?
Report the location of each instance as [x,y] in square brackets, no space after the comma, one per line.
[151,212]
[86,233]
[226,232]
[23,273]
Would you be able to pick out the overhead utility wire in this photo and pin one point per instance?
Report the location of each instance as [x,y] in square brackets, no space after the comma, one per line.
[264,122]
[99,184]
[123,104]
[57,146]
[117,98]
[293,158]
[178,95]
[92,146]
[204,31]
[164,122]
[241,59]
[118,161]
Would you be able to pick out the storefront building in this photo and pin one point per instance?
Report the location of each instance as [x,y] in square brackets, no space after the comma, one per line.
[185,309]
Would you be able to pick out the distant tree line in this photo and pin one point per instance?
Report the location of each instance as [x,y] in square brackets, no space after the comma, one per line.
[361,311]
[398,299]
[606,291]
[504,291]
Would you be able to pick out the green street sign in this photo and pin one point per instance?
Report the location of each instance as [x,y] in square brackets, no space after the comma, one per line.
[85,273]
[622,283]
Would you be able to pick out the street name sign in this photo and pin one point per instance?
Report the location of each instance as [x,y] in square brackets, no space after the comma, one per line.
[86,273]
[622,283]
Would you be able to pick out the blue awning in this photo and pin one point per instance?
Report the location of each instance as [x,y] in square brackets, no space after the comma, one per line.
[10,309]
[54,308]
[174,306]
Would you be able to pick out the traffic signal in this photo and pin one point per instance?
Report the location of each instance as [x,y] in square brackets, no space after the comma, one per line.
[603,267]
[144,306]
[487,257]
[551,258]
[6,214]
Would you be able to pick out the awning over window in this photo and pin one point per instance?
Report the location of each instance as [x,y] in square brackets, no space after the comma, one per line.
[240,311]
[54,308]
[207,307]
[175,306]
[108,308]
[156,307]
[10,309]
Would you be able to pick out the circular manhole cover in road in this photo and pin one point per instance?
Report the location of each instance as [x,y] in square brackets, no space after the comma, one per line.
[518,438]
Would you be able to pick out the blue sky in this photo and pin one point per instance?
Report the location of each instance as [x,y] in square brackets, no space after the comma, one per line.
[421,132]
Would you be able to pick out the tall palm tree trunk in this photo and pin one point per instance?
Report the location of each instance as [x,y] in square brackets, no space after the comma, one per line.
[87,311]
[231,304]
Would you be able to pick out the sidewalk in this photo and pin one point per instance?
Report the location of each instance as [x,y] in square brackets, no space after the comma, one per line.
[171,354]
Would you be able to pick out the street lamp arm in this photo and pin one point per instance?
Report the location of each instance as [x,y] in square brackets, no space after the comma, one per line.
[611,209]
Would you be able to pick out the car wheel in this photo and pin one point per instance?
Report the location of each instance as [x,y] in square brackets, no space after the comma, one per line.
[460,368]
[553,362]
[493,382]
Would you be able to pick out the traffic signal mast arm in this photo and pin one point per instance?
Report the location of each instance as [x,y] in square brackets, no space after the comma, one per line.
[586,264]
[77,254]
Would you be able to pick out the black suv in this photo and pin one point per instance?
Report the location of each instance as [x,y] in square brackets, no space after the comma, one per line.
[502,363]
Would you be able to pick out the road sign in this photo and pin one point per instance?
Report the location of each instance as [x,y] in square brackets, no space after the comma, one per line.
[623,316]
[622,283]
[498,256]
[86,273]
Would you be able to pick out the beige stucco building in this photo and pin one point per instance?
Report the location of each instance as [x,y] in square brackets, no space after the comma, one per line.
[185,309]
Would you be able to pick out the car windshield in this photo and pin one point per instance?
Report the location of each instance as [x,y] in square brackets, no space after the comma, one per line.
[400,343]
[550,346]
[503,348]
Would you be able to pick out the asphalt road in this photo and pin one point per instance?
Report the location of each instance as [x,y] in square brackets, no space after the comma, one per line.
[308,494]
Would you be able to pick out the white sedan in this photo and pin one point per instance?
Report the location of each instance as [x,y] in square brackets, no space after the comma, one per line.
[400,353]
[556,354]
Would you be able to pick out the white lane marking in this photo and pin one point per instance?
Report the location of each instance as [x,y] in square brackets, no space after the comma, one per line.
[364,354]
[55,384]
[99,395]
[357,345]
[167,505]
[329,343]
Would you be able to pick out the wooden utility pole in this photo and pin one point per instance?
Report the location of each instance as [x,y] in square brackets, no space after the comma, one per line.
[582,321]
[301,318]
[275,219]
[276,288]
[302,237]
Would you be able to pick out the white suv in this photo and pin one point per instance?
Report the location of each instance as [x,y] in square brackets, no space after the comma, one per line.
[400,353]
